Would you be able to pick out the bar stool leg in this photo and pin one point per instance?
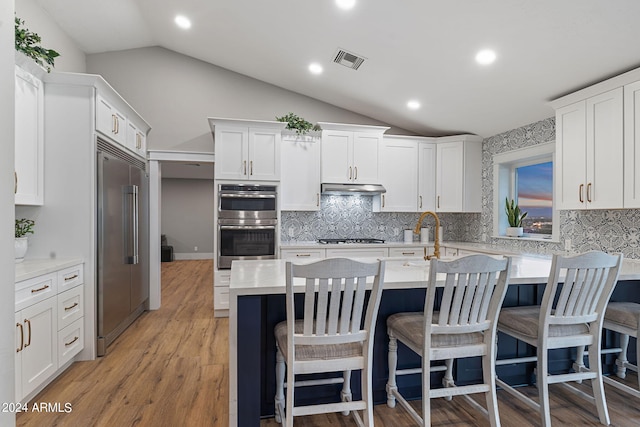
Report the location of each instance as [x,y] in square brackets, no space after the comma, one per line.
[393,362]
[346,389]
[447,380]
[621,360]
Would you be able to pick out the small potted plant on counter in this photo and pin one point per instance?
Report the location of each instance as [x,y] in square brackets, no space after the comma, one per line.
[514,217]
[23,227]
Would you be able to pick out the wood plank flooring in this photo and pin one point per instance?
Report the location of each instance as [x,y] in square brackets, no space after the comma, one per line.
[170,368]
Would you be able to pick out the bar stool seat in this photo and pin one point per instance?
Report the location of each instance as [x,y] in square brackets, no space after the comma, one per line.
[624,318]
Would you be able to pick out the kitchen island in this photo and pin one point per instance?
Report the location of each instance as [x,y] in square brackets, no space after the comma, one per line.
[257,304]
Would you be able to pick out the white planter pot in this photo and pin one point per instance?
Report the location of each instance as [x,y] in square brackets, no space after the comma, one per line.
[514,231]
[21,245]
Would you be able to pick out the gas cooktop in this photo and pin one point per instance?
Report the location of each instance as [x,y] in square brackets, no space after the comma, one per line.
[343,241]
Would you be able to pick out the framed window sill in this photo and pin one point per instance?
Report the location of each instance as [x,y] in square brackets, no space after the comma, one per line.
[527,239]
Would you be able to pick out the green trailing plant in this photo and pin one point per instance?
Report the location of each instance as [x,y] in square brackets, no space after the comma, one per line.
[297,123]
[24,226]
[28,43]
[514,215]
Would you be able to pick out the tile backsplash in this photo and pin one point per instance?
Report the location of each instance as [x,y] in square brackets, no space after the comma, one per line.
[352,216]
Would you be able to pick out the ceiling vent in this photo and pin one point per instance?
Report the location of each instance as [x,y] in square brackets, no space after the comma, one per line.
[348,59]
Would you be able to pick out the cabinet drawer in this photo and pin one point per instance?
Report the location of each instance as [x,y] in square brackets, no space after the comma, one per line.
[70,306]
[408,252]
[70,341]
[31,291]
[358,253]
[299,254]
[70,277]
[221,298]
[222,279]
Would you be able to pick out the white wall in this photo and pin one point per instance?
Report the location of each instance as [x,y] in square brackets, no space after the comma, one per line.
[37,20]
[187,216]
[7,272]
[176,94]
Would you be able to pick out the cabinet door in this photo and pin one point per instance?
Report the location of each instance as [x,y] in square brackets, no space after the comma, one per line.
[110,122]
[300,174]
[366,158]
[264,155]
[136,140]
[605,175]
[450,177]
[571,157]
[40,355]
[426,176]
[29,148]
[337,157]
[632,145]
[18,359]
[231,149]
[399,175]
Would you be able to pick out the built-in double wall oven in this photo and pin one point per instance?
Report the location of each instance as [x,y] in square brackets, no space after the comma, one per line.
[247,222]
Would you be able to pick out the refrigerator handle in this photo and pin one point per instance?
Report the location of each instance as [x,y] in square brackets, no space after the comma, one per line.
[131,224]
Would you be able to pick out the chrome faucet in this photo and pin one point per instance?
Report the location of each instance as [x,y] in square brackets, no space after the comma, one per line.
[436,238]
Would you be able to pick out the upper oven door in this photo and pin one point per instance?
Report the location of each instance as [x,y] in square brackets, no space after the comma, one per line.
[250,203]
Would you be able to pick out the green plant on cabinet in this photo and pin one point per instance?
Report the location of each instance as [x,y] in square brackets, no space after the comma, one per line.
[28,43]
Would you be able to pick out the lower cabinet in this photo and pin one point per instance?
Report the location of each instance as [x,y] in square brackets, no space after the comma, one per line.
[49,327]
[221,281]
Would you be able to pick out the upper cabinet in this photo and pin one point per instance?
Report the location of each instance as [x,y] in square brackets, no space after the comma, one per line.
[597,163]
[399,175]
[29,134]
[350,153]
[427,174]
[459,174]
[589,153]
[300,172]
[109,121]
[247,149]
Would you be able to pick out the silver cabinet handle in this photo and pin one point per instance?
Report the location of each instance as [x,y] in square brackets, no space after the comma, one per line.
[420,201]
[355,177]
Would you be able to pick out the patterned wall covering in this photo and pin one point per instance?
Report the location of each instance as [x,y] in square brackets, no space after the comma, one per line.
[352,216]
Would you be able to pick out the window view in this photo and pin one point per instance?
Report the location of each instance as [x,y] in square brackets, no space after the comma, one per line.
[534,192]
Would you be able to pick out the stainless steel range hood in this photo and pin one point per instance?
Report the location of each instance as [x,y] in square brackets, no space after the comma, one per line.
[367,189]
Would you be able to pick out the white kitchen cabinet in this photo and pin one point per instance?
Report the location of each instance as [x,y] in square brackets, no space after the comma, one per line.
[300,173]
[136,139]
[426,176]
[632,145]
[246,149]
[29,138]
[589,153]
[38,349]
[302,254]
[350,153]
[357,252]
[409,252]
[221,280]
[398,175]
[110,121]
[459,174]
[49,327]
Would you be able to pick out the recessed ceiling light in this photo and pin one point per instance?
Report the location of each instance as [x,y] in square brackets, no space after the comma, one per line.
[346,4]
[182,22]
[485,57]
[315,68]
[413,105]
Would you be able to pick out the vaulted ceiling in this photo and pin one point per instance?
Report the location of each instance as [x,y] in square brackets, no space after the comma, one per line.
[420,50]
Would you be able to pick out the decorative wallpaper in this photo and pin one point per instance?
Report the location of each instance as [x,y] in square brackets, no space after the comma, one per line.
[352,216]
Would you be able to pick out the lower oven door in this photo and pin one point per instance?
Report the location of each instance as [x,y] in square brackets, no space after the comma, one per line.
[242,242]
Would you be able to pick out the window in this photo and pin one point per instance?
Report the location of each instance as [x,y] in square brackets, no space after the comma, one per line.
[534,194]
[526,175]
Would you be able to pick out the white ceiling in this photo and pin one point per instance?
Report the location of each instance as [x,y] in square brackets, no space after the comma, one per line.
[415,49]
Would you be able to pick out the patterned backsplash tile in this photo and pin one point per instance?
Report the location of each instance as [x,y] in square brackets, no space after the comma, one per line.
[352,216]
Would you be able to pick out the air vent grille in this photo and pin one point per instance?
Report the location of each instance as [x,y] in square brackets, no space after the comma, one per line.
[348,59]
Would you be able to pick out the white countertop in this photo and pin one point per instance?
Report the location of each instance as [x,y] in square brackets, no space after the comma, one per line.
[37,267]
[268,276]
[479,247]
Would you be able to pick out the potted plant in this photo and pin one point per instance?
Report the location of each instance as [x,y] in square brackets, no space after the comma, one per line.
[23,227]
[514,217]
[28,43]
[297,123]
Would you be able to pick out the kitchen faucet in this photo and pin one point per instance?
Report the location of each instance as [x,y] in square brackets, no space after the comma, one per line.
[436,238]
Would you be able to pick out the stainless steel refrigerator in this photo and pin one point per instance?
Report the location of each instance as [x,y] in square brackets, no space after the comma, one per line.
[123,242]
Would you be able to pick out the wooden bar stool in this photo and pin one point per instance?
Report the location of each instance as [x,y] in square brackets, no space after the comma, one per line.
[571,315]
[464,326]
[335,334]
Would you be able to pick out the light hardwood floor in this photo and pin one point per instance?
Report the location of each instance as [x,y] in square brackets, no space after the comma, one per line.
[170,368]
